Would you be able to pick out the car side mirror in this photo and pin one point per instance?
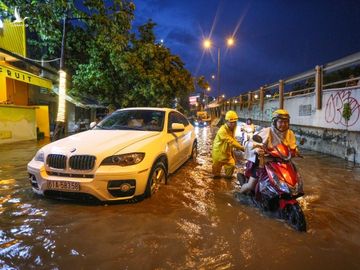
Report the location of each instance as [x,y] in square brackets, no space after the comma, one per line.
[257,138]
[92,124]
[177,127]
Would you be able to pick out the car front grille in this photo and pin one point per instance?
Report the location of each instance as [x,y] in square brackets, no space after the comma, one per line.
[56,161]
[82,162]
[78,162]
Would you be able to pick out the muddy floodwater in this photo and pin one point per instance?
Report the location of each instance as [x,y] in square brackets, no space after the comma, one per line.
[194,222]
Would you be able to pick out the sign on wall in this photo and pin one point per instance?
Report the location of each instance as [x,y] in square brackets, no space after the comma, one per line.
[24,76]
[305,110]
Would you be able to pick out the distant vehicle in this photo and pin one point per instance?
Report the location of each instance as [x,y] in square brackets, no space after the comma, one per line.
[202,119]
[128,154]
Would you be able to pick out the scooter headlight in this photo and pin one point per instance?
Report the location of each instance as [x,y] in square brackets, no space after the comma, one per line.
[280,185]
[284,187]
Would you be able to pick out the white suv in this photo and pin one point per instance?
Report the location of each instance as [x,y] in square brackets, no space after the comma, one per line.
[128,154]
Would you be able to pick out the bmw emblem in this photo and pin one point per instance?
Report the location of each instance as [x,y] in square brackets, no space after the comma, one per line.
[73,150]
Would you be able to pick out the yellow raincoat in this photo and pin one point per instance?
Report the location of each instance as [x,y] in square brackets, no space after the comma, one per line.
[222,151]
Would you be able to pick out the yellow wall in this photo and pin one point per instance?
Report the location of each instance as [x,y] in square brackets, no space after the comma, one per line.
[16,92]
[2,89]
[12,37]
[42,119]
[17,123]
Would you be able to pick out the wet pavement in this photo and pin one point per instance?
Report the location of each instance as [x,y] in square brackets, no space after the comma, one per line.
[194,222]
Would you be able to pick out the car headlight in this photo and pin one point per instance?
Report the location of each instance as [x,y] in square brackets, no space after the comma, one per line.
[124,160]
[39,156]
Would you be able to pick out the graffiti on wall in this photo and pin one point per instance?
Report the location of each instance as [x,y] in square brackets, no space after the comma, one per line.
[257,114]
[335,106]
[268,113]
[264,116]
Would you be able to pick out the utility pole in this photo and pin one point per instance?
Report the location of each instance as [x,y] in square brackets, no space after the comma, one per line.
[60,127]
[218,74]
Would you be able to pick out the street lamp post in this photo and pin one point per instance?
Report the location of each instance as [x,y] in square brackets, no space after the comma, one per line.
[205,97]
[207,45]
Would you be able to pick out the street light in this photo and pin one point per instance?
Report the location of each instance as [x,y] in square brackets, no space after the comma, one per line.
[230,41]
[207,45]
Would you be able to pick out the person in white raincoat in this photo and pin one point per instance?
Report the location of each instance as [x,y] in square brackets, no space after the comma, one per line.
[279,132]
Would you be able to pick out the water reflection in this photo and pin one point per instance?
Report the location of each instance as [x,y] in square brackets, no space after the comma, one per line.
[193,223]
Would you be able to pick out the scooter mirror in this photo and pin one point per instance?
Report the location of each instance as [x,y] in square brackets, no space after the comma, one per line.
[257,138]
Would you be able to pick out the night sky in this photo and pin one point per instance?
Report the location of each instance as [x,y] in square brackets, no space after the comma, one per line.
[275,39]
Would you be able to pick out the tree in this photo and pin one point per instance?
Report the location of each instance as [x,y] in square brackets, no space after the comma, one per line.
[149,75]
[105,25]
[104,60]
[202,83]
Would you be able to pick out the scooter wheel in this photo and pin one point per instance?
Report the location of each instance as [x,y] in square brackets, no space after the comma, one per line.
[295,217]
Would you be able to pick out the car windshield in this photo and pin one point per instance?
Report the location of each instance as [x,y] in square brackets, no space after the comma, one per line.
[150,120]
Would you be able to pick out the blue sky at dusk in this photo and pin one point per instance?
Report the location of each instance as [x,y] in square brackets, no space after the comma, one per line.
[275,39]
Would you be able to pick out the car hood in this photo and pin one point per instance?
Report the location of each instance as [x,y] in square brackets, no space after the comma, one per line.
[98,141]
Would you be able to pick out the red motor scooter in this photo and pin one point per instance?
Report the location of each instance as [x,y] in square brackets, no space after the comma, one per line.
[279,184]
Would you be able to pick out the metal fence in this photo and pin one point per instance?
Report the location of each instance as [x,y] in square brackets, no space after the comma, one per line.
[316,80]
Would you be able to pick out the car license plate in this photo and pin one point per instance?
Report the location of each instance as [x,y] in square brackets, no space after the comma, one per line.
[63,185]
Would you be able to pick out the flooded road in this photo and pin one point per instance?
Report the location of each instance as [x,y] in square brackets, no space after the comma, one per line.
[192,223]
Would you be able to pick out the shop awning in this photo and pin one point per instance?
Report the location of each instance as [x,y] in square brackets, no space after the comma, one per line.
[70,99]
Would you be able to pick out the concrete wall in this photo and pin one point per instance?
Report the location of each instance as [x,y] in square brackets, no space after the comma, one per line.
[17,123]
[303,109]
[323,130]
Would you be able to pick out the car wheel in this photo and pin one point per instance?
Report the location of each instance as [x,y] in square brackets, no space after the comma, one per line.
[157,177]
[194,152]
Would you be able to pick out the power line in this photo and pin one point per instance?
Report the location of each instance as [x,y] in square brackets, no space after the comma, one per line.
[46,61]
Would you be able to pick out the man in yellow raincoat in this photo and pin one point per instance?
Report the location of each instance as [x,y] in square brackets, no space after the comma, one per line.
[224,143]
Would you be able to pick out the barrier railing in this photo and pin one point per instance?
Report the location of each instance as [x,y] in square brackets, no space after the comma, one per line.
[302,84]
